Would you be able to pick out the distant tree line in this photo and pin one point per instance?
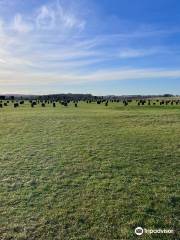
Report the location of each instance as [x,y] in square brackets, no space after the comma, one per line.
[78,97]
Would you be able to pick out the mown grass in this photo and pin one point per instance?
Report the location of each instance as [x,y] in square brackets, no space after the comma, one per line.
[91,172]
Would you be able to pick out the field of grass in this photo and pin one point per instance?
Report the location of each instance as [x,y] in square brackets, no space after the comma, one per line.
[88,173]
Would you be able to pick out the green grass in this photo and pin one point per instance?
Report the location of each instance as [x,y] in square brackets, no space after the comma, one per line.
[91,172]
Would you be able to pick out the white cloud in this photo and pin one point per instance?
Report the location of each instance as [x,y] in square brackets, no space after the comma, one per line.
[133,53]
[51,47]
[54,16]
[130,74]
[42,78]
[20,25]
[1,25]
[116,75]
[45,18]
[2,60]
[69,20]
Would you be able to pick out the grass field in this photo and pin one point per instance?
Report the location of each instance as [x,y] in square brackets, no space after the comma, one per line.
[88,173]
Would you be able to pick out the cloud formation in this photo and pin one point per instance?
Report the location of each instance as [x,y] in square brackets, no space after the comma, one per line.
[19,25]
[55,43]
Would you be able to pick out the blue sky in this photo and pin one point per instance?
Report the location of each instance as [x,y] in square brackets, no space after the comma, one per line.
[90,46]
